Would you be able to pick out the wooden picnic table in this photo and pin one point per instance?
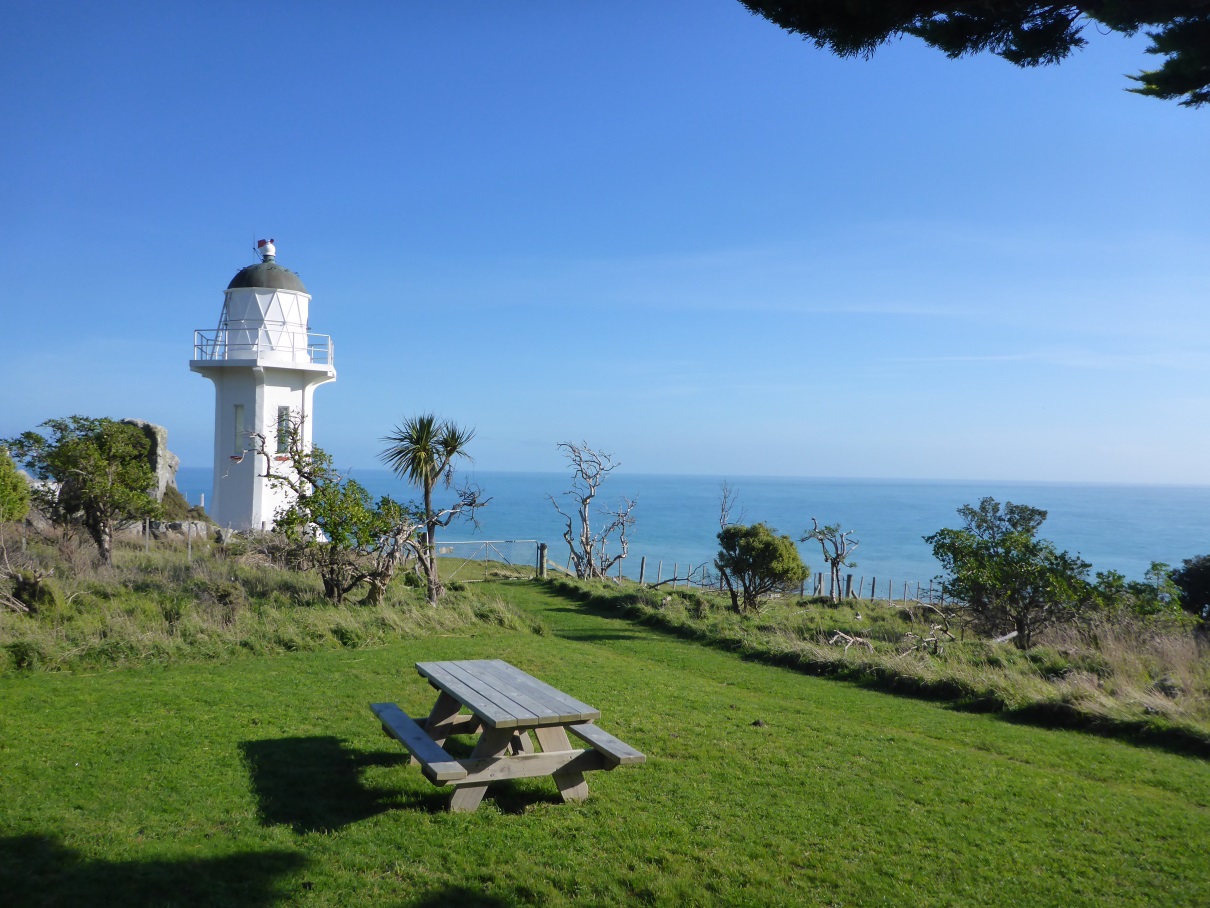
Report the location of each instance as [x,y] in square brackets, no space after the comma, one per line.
[505,707]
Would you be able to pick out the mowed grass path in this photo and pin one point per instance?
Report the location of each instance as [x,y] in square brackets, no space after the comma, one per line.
[267,781]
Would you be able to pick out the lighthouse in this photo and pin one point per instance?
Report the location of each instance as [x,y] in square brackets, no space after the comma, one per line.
[265,365]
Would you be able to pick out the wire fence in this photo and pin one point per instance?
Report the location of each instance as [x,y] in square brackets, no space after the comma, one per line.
[819,583]
[487,559]
[930,592]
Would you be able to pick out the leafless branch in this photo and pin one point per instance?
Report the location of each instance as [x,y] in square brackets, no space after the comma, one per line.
[836,545]
[588,548]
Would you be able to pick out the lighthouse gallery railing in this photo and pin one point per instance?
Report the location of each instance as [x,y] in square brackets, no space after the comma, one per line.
[224,344]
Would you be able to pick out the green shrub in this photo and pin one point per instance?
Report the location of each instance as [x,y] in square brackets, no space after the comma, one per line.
[220,600]
[176,508]
[1049,662]
[349,634]
[25,654]
[38,593]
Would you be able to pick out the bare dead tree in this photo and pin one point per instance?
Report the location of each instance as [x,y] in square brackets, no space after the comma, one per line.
[728,502]
[589,548]
[836,545]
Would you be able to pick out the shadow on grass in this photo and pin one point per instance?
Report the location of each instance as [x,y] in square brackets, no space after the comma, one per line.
[596,636]
[511,796]
[615,605]
[592,607]
[37,870]
[314,784]
[515,797]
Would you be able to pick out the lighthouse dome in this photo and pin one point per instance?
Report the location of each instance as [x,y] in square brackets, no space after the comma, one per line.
[267,274]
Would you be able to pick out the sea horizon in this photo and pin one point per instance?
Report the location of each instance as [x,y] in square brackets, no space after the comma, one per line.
[1114,526]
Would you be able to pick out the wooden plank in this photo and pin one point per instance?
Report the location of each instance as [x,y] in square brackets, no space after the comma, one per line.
[442,714]
[570,782]
[567,706]
[619,753]
[523,688]
[494,715]
[500,693]
[493,690]
[438,766]
[492,743]
[529,766]
[528,681]
[522,743]
[501,690]
[456,725]
[526,691]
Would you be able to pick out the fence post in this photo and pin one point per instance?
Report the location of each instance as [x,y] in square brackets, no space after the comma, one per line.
[873,588]
[905,589]
[659,572]
[674,567]
[642,569]
[890,591]
[848,586]
[189,541]
[542,560]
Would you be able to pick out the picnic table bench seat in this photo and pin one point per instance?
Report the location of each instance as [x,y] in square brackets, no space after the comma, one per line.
[437,766]
[617,753]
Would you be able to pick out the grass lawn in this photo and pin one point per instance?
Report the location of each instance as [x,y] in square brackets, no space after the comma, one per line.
[266,780]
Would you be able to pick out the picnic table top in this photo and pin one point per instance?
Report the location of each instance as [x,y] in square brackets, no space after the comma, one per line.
[503,696]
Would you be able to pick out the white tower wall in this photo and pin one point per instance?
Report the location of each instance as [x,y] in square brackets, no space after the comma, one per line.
[265,367]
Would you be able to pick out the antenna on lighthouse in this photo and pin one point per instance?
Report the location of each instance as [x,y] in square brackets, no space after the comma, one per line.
[266,249]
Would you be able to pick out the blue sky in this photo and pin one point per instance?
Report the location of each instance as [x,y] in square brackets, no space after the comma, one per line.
[667,228]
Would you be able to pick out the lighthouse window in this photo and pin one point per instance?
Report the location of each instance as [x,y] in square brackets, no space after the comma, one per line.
[283,430]
[237,444]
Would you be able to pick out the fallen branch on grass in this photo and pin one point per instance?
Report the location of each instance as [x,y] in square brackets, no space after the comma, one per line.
[931,643]
[850,640]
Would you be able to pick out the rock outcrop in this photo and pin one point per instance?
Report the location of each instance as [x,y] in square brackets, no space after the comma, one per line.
[163,462]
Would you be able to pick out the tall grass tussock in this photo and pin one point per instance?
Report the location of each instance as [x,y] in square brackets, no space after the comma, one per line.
[1116,674]
[161,605]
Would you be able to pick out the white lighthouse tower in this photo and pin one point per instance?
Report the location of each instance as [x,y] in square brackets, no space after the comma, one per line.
[265,366]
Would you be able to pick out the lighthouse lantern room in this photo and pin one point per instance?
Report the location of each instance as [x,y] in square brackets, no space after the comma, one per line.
[265,365]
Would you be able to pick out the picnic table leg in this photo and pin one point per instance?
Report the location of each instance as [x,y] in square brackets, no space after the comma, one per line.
[443,710]
[522,743]
[571,785]
[492,743]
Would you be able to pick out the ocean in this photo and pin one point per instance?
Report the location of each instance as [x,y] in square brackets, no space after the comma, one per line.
[1115,527]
